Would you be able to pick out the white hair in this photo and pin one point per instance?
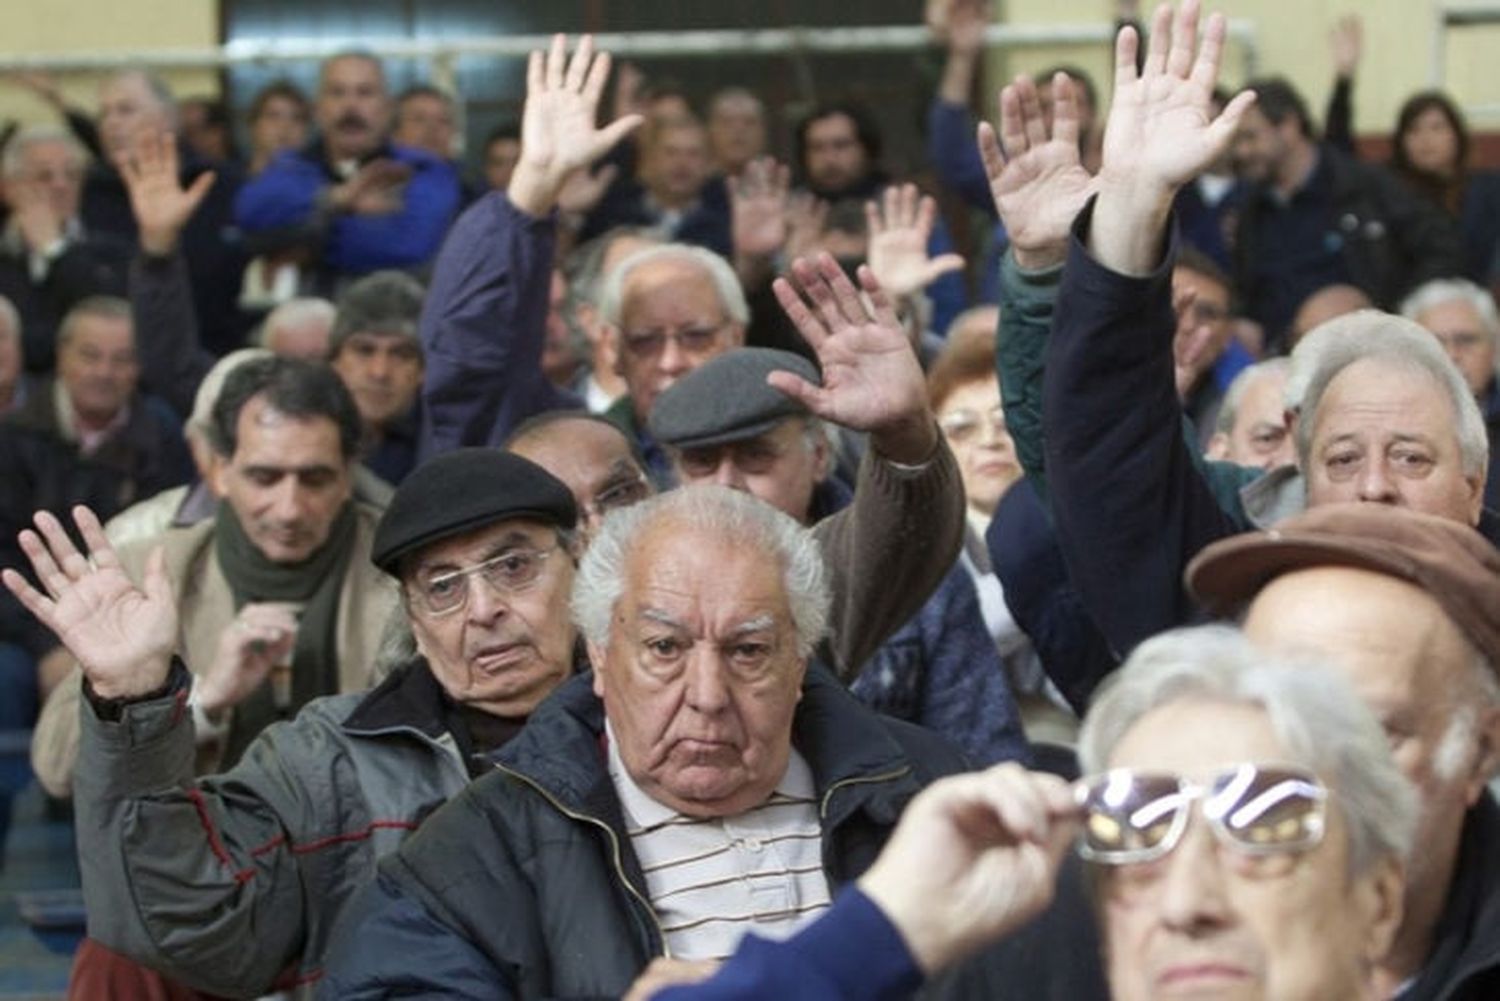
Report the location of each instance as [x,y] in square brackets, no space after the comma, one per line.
[293,312]
[1456,745]
[1441,291]
[1316,716]
[1235,395]
[718,270]
[729,515]
[36,135]
[1371,335]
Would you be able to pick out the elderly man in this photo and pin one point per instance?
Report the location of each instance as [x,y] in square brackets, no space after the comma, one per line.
[135,105]
[1384,418]
[1407,607]
[276,604]
[1461,315]
[351,202]
[298,328]
[232,883]
[48,262]
[703,781]
[84,437]
[1284,883]
[1251,426]
[725,424]
[375,348]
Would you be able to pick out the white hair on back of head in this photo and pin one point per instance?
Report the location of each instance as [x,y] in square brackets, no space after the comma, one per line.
[1235,394]
[726,282]
[732,516]
[1320,722]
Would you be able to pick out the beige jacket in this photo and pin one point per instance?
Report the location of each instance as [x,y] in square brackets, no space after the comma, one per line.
[206,608]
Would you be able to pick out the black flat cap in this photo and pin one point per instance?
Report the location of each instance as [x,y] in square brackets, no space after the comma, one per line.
[462,490]
[728,399]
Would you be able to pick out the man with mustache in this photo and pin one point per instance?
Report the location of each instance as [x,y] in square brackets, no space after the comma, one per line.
[352,202]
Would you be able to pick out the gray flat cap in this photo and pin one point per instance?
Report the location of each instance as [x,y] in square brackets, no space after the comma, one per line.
[728,399]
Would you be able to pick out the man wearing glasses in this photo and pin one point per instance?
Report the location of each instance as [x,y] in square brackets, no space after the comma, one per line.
[231,883]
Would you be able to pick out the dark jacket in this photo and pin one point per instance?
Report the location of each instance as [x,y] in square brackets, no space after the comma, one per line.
[280,208]
[526,886]
[41,470]
[91,264]
[1386,240]
[231,883]
[626,203]
[1464,964]
[1489,405]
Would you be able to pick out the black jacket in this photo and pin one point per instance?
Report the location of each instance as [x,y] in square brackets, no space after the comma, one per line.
[1464,964]
[525,885]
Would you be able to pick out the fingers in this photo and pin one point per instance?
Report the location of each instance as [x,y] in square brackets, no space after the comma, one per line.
[1157,43]
[1127,44]
[1221,130]
[72,563]
[101,553]
[845,300]
[579,65]
[557,59]
[33,600]
[1184,39]
[796,310]
[47,571]
[1013,119]
[199,188]
[798,388]
[885,310]
[593,86]
[156,582]
[989,151]
[1206,69]
[535,75]
[611,134]
[940,266]
[1064,109]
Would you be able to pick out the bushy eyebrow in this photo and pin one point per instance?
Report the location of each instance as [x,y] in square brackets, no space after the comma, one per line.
[761,623]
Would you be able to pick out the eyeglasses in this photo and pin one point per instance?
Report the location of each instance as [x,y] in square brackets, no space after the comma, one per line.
[1132,816]
[690,340]
[961,427]
[508,574]
[1462,340]
[617,494]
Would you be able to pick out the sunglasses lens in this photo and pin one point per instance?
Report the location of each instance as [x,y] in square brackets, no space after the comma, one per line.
[1130,816]
[1268,809]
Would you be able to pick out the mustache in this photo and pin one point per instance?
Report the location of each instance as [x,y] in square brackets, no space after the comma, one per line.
[351,120]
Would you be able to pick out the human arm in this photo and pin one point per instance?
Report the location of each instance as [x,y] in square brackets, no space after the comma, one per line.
[950,126]
[759,205]
[172,358]
[484,321]
[1345,46]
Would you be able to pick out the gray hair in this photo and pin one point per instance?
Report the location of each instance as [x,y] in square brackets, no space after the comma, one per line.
[1457,741]
[200,421]
[1229,409]
[107,307]
[1370,335]
[157,87]
[1441,291]
[1314,713]
[728,515]
[718,270]
[386,302]
[36,135]
[584,267]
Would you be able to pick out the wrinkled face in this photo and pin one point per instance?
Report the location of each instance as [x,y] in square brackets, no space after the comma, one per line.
[281,125]
[781,466]
[1260,147]
[383,373]
[287,480]
[353,110]
[835,158]
[1385,435]
[501,651]
[1208,921]
[1431,144]
[500,159]
[1461,330]
[1259,435]
[127,109]
[56,169]
[1205,321]
[98,368]
[426,122]
[671,321]
[1410,665]
[595,462]
[675,164]
[737,132]
[972,420]
[701,675]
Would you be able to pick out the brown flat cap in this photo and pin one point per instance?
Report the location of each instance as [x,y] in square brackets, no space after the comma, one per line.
[1454,564]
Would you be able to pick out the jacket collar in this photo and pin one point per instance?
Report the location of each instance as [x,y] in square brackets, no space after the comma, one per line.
[409,699]
[1466,942]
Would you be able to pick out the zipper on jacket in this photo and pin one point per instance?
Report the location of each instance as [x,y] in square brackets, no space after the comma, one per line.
[857,780]
[614,844]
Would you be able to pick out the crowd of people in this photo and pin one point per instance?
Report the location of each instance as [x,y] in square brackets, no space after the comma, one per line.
[601,574]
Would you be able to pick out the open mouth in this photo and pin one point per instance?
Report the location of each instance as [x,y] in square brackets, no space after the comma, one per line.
[499,656]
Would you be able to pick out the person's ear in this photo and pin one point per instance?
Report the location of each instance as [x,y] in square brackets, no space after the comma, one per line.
[596,660]
[611,335]
[1486,752]
[1379,895]
[1218,447]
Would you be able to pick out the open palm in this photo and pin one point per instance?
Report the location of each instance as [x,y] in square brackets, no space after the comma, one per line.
[122,635]
[161,205]
[558,130]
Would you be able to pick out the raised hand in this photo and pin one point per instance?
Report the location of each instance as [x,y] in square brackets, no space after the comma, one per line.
[558,131]
[121,635]
[806,218]
[375,188]
[758,199]
[900,226]
[974,857]
[1346,43]
[35,218]
[1038,182]
[584,188]
[871,379]
[161,205]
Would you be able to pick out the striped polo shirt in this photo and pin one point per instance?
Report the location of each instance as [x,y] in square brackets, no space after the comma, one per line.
[711,880]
